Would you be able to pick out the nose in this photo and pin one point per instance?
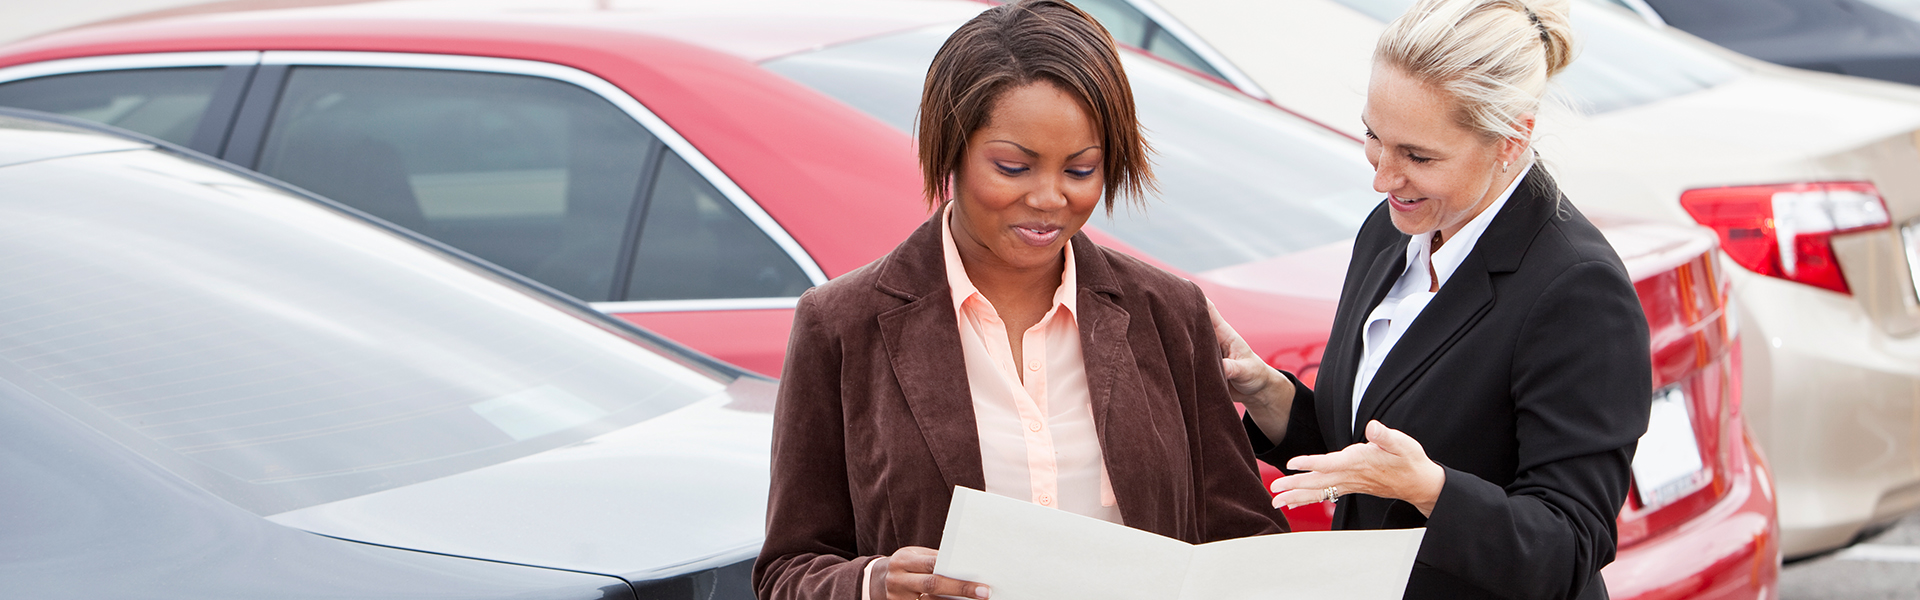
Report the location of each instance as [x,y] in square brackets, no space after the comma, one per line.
[1387,177]
[1050,195]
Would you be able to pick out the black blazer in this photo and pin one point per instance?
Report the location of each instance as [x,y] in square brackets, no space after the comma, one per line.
[1527,377]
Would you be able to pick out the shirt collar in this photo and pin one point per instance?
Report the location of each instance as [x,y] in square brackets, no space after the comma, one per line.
[963,288]
[1448,258]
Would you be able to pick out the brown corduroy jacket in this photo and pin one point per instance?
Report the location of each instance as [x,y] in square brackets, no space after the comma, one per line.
[874,423]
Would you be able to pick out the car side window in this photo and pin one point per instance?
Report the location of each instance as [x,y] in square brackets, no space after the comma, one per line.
[1131,27]
[536,175]
[164,103]
[695,244]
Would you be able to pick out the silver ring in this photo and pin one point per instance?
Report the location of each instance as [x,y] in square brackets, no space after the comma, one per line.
[1330,494]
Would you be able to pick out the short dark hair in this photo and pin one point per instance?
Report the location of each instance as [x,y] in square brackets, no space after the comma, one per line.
[1015,44]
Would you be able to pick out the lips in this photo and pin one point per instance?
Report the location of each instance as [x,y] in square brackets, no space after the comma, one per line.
[1405,204]
[1037,234]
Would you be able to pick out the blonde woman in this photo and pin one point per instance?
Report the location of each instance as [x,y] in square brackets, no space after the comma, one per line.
[1488,373]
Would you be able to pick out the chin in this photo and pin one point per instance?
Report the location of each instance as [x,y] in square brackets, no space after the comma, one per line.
[1411,226]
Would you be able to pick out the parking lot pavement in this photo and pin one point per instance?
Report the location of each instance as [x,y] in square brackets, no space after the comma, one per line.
[1886,566]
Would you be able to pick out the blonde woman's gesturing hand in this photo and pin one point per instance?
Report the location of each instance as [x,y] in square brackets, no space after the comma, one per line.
[1391,464]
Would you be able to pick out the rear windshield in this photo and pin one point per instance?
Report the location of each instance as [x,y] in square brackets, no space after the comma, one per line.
[282,355]
[1239,180]
[1622,61]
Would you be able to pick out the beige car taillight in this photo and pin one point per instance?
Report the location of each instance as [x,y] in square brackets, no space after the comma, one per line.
[1786,230]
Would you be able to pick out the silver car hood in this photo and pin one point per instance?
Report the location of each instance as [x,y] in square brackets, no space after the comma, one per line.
[678,493]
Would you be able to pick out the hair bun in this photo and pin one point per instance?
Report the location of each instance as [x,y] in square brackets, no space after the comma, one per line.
[1556,31]
[1486,54]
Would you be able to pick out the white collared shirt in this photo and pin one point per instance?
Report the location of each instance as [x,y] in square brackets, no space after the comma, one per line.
[1409,296]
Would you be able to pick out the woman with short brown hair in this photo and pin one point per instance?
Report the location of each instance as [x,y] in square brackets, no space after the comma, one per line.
[997,348]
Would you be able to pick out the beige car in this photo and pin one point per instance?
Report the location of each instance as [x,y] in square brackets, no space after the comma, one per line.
[1812,182]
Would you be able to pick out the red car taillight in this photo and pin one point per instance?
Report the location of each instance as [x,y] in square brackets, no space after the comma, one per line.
[1689,457]
[1786,230]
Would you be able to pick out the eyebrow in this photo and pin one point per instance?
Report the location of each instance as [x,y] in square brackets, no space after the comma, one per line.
[1415,148]
[1032,153]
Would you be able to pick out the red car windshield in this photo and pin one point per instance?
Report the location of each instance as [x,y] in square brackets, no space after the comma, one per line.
[1239,181]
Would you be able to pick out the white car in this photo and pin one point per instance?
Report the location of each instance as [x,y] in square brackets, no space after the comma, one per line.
[1812,182]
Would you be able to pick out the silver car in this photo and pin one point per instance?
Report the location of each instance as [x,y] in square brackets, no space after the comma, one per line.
[213,386]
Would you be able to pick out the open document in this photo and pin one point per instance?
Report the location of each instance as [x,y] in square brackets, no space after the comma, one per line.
[1028,552]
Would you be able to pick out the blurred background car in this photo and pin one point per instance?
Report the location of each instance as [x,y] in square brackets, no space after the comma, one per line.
[1809,179]
[1865,38]
[213,386]
[692,167]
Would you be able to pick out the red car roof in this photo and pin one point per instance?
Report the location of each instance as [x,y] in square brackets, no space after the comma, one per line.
[811,162]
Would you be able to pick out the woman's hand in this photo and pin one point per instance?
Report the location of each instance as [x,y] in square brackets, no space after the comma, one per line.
[908,575]
[1390,465]
[1266,393]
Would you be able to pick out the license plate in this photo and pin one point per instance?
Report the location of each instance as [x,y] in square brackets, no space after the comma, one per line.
[1667,465]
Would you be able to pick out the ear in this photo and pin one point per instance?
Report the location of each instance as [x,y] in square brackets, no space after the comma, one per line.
[1511,149]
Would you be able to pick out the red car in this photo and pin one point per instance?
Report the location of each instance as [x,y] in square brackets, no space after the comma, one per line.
[693,167]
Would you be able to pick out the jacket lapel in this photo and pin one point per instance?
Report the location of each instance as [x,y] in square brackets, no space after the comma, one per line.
[1126,431]
[922,342]
[1335,399]
[1466,297]
[1103,327]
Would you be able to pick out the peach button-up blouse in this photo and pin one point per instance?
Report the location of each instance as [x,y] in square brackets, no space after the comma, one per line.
[1037,436]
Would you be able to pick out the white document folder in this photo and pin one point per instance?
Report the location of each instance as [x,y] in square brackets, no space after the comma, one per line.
[1027,552]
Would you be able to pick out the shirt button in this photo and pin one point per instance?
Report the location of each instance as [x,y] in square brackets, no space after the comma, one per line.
[1033,365]
[1046,500]
[1033,425]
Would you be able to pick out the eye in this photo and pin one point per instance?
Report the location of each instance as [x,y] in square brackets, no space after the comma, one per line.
[1371,136]
[1082,173]
[1418,159]
[1010,169]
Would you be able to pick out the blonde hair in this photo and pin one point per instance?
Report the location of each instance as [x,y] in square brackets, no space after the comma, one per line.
[1492,56]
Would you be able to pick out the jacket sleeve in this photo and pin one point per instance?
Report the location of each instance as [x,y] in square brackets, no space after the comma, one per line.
[1303,430]
[1232,502]
[1582,387]
[810,551]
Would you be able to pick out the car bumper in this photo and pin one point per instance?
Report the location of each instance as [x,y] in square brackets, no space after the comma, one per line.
[1730,551]
[1835,402]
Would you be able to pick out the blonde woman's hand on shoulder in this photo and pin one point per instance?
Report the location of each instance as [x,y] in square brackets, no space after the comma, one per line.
[1264,390]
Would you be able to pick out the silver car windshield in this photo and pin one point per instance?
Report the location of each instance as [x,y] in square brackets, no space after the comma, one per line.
[1622,61]
[281,354]
[1239,180]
